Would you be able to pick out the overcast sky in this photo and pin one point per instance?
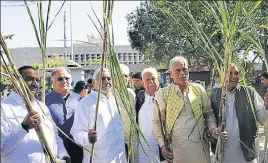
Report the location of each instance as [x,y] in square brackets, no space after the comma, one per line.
[15,20]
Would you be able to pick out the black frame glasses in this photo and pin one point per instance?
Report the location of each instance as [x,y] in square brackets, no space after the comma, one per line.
[60,79]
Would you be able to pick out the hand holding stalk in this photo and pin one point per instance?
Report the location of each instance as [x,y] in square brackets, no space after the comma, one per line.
[31,120]
[92,136]
[166,154]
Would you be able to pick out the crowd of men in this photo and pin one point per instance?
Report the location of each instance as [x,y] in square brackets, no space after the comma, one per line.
[180,121]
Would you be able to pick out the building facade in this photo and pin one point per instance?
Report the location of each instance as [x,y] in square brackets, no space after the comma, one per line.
[82,53]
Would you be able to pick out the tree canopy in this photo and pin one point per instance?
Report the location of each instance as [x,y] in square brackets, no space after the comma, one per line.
[161,29]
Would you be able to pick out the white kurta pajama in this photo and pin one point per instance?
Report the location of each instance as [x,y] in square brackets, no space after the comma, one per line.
[19,146]
[146,126]
[109,147]
[232,148]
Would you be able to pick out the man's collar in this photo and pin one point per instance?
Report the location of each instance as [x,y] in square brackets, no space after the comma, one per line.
[236,88]
[16,97]
[57,94]
[186,89]
[95,94]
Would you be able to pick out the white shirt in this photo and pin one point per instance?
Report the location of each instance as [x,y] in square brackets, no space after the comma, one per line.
[146,126]
[71,103]
[18,144]
[232,148]
[109,147]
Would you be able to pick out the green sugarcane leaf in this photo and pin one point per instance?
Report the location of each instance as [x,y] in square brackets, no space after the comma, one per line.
[33,23]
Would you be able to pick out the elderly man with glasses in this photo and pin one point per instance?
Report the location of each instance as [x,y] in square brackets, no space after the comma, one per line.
[108,136]
[62,114]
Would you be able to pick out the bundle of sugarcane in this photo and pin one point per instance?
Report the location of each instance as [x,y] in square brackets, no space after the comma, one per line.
[111,61]
[26,95]
[125,98]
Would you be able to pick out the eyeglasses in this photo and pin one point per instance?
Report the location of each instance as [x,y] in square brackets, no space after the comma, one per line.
[60,79]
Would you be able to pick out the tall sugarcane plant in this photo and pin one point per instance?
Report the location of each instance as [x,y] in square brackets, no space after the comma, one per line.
[110,60]
[232,27]
[41,31]
[22,89]
[107,6]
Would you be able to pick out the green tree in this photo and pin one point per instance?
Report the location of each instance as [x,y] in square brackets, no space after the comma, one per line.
[5,83]
[162,30]
[95,62]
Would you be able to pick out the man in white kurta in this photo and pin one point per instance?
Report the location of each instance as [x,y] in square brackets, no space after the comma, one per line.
[145,117]
[22,145]
[232,148]
[233,152]
[109,136]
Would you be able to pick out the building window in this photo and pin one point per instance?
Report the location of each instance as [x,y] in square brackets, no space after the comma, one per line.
[125,58]
[93,56]
[87,56]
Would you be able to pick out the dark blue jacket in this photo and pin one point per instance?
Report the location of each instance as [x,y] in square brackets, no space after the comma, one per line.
[62,113]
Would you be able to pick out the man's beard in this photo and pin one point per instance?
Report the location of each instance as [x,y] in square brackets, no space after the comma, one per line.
[105,90]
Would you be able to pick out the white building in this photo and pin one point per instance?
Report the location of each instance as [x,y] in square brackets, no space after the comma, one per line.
[82,54]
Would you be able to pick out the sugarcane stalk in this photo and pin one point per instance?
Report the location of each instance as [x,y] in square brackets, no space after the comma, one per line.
[114,65]
[125,98]
[20,85]
[21,93]
[103,61]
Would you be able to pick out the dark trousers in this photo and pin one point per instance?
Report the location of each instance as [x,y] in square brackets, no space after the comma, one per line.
[75,152]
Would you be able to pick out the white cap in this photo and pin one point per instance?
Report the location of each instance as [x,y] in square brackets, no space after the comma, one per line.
[124,68]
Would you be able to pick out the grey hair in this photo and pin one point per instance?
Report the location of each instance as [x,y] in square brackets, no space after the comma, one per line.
[56,69]
[97,72]
[150,70]
[178,59]
[125,69]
